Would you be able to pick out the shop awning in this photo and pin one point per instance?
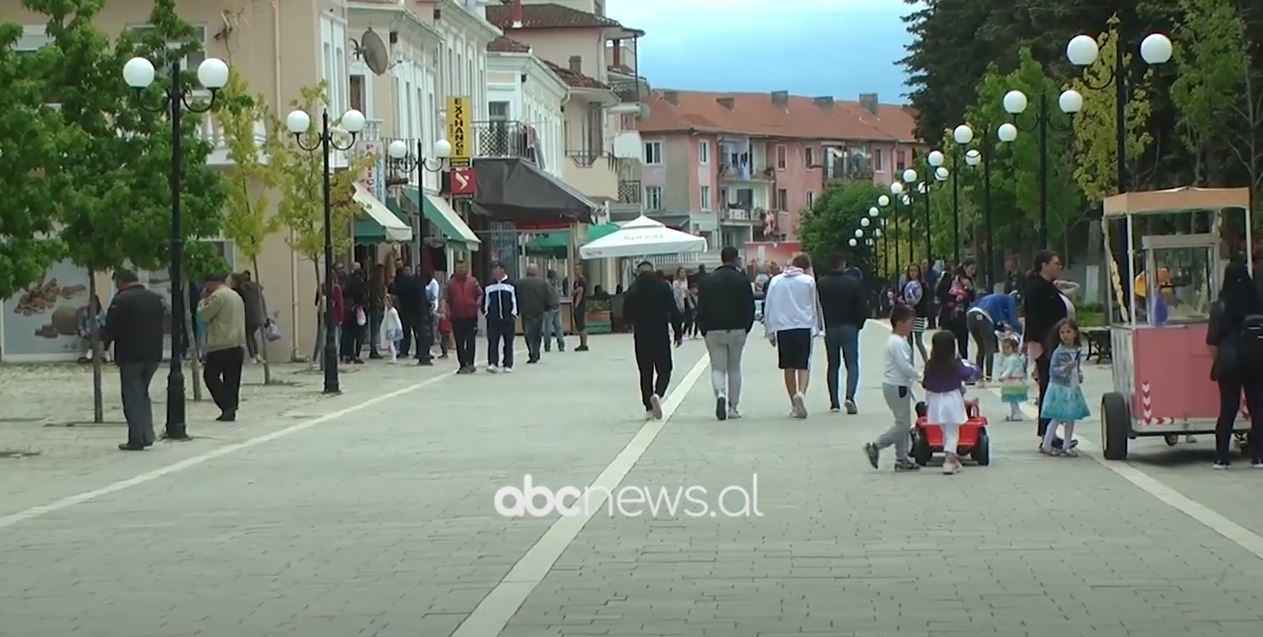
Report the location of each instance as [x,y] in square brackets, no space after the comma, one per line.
[518,190]
[380,223]
[443,216]
[558,240]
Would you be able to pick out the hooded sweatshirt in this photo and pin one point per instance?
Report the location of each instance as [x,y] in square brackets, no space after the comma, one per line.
[791,302]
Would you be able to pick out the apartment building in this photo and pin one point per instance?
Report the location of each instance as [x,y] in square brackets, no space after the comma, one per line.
[739,168]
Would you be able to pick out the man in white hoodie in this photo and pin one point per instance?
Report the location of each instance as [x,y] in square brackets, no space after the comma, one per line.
[792,318]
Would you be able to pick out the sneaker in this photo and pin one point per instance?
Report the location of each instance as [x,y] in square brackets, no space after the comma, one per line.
[656,408]
[507,370]
[581,348]
[1220,465]
[1256,464]
[733,414]
[907,466]
[851,409]
[721,408]
[1069,453]
[493,369]
[833,409]
[1190,438]
[952,467]
[800,406]
[648,414]
[872,453]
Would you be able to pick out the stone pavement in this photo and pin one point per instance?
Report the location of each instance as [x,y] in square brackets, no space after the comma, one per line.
[377,518]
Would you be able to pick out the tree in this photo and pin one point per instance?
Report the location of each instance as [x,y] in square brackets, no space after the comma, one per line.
[257,171]
[115,204]
[1213,65]
[831,223]
[30,171]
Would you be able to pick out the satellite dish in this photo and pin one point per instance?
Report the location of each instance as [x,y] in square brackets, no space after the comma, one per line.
[373,52]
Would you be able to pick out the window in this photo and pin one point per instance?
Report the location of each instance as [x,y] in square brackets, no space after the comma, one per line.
[358,93]
[899,160]
[653,154]
[705,197]
[653,197]
[782,199]
[782,157]
[703,152]
[877,159]
[809,155]
[811,199]
[498,111]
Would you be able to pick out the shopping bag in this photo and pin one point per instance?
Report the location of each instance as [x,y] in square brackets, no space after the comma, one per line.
[272,331]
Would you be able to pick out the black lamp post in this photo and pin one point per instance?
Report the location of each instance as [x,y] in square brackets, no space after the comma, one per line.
[1015,103]
[213,74]
[964,135]
[874,215]
[299,123]
[402,159]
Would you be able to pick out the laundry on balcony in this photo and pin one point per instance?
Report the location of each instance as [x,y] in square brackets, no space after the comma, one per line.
[440,213]
[517,190]
[378,223]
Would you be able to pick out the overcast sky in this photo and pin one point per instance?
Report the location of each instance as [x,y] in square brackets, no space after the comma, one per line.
[810,47]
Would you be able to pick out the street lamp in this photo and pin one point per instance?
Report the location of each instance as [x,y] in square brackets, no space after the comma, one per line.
[1015,104]
[138,73]
[299,124]
[1005,133]
[882,201]
[1082,50]
[401,158]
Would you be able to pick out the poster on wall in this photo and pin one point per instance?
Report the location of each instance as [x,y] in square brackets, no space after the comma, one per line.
[41,323]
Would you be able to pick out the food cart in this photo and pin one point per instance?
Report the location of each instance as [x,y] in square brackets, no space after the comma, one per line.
[1177,243]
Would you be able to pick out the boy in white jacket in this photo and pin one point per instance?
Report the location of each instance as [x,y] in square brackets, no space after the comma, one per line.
[792,318]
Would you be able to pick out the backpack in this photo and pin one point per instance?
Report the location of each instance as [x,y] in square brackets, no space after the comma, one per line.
[1250,345]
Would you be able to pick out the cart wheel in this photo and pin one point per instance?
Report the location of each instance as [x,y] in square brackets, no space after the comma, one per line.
[1171,439]
[982,450]
[1115,425]
[921,451]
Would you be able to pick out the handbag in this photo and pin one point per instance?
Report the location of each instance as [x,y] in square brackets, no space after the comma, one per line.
[360,318]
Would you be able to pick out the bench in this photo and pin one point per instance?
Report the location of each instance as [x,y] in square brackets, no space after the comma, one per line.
[1099,344]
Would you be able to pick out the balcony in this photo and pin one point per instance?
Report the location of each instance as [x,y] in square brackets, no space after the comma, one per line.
[592,173]
[629,192]
[502,139]
[741,216]
[734,172]
[213,133]
[629,90]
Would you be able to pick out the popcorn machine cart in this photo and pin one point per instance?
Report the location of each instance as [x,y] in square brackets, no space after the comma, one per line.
[1177,244]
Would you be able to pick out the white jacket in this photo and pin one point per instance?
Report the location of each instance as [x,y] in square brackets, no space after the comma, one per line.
[791,303]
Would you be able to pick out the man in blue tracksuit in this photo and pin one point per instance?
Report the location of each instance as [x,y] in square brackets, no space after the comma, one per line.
[989,313]
[499,305]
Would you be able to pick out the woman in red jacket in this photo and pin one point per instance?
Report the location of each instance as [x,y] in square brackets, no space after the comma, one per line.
[318,351]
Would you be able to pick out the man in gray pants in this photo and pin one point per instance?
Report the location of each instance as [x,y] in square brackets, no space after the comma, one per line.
[533,303]
[725,314]
[135,323]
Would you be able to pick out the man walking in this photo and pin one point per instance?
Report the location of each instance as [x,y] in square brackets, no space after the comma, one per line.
[552,318]
[135,322]
[533,295]
[225,316]
[412,309]
[501,312]
[464,296]
[649,307]
[579,306]
[845,309]
[256,314]
[791,315]
[725,316]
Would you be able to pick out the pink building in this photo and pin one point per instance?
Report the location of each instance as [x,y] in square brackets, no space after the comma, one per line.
[742,167]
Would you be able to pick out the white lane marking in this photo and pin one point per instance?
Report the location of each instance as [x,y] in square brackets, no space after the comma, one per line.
[1241,536]
[80,498]
[496,609]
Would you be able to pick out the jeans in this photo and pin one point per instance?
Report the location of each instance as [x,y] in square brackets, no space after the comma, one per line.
[374,331]
[983,331]
[134,379]
[842,343]
[534,328]
[552,326]
[223,377]
[500,330]
[653,357]
[899,400]
[465,330]
[724,348]
[1230,390]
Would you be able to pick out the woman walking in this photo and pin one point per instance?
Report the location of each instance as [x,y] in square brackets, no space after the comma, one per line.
[1043,307]
[917,296]
[1233,341]
[955,294]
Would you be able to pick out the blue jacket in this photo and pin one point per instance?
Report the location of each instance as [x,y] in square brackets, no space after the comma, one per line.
[500,301]
[1001,308]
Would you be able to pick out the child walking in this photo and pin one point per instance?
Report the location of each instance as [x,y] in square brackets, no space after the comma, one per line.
[1012,377]
[897,389]
[944,384]
[445,329]
[392,327]
[1063,402]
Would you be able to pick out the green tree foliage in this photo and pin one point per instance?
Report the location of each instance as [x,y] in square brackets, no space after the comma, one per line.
[30,171]
[832,221]
[1211,83]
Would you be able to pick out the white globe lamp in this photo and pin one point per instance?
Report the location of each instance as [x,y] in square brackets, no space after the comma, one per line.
[1071,101]
[298,122]
[1015,102]
[1156,49]
[1007,132]
[963,134]
[1082,50]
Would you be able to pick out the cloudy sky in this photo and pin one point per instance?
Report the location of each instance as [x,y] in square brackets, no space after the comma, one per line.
[810,47]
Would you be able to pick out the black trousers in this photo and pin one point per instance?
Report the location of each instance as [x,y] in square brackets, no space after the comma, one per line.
[407,323]
[653,358]
[465,331]
[1042,367]
[223,377]
[352,336]
[956,325]
[500,331]
[1229,403]
[423,332]
[983,331]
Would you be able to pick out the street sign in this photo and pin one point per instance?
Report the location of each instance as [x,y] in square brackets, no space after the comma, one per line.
[462,182]
[458,133]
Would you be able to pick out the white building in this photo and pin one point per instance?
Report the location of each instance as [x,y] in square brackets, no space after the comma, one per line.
[528,97]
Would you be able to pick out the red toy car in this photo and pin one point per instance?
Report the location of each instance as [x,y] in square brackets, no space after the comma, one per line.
[927,438]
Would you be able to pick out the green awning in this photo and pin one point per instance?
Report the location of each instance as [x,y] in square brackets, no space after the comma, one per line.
[379,222]
[443,216]
[558,240]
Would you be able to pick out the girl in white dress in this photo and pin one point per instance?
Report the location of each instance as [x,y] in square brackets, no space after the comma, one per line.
[392,328]
[944,383]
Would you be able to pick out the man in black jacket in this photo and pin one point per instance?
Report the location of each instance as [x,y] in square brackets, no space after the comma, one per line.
[845,309]
[414,313]
[135,324]
[533,302]
[725,314]
[649,306]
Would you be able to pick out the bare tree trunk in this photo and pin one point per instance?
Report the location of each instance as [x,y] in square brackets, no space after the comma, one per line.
[195,361]
[263,344]
[94,337]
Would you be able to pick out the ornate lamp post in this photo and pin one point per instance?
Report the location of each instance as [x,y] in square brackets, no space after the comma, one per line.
[1015,103]
[299,124]
[402,159]
[139,75]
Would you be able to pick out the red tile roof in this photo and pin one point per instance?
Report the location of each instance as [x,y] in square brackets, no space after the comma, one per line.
[756,114]
[576,80]
[548,16]
[507,45]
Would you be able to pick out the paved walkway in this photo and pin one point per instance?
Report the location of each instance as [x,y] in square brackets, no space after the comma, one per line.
[372,514]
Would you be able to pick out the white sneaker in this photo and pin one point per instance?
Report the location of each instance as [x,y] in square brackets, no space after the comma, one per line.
[733,414]
[507,370]
[656,407]
[800,406]
[493,369]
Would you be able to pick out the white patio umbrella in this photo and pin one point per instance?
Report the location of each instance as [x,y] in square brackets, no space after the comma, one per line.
[642,237]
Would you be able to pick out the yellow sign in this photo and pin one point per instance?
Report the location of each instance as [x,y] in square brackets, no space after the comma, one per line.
[458,133]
